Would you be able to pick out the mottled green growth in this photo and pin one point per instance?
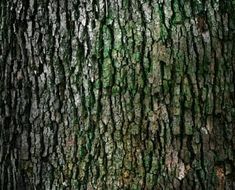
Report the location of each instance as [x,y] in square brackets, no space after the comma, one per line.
[117,95]
[107,72]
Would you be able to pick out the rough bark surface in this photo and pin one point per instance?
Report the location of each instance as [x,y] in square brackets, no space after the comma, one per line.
[121,94]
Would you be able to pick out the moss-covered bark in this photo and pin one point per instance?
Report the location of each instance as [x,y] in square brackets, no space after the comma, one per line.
[117,94]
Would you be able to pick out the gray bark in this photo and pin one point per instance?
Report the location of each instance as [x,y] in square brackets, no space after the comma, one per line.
[117,94]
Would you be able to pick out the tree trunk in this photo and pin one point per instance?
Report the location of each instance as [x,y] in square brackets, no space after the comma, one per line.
[117,94]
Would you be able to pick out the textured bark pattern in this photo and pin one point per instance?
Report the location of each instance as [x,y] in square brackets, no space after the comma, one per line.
[121,94]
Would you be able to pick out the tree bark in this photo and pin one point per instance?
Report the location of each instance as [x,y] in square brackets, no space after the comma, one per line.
[117,94]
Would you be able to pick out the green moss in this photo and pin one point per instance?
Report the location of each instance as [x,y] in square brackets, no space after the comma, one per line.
[134,129]
[177,17]
[82,151]
[147,160]
[115,90]
[167,72]
[107,72]
[155,165]
[149,180]
[188,129]
[166,86]
[135,186]
[136,56]
[163,33]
